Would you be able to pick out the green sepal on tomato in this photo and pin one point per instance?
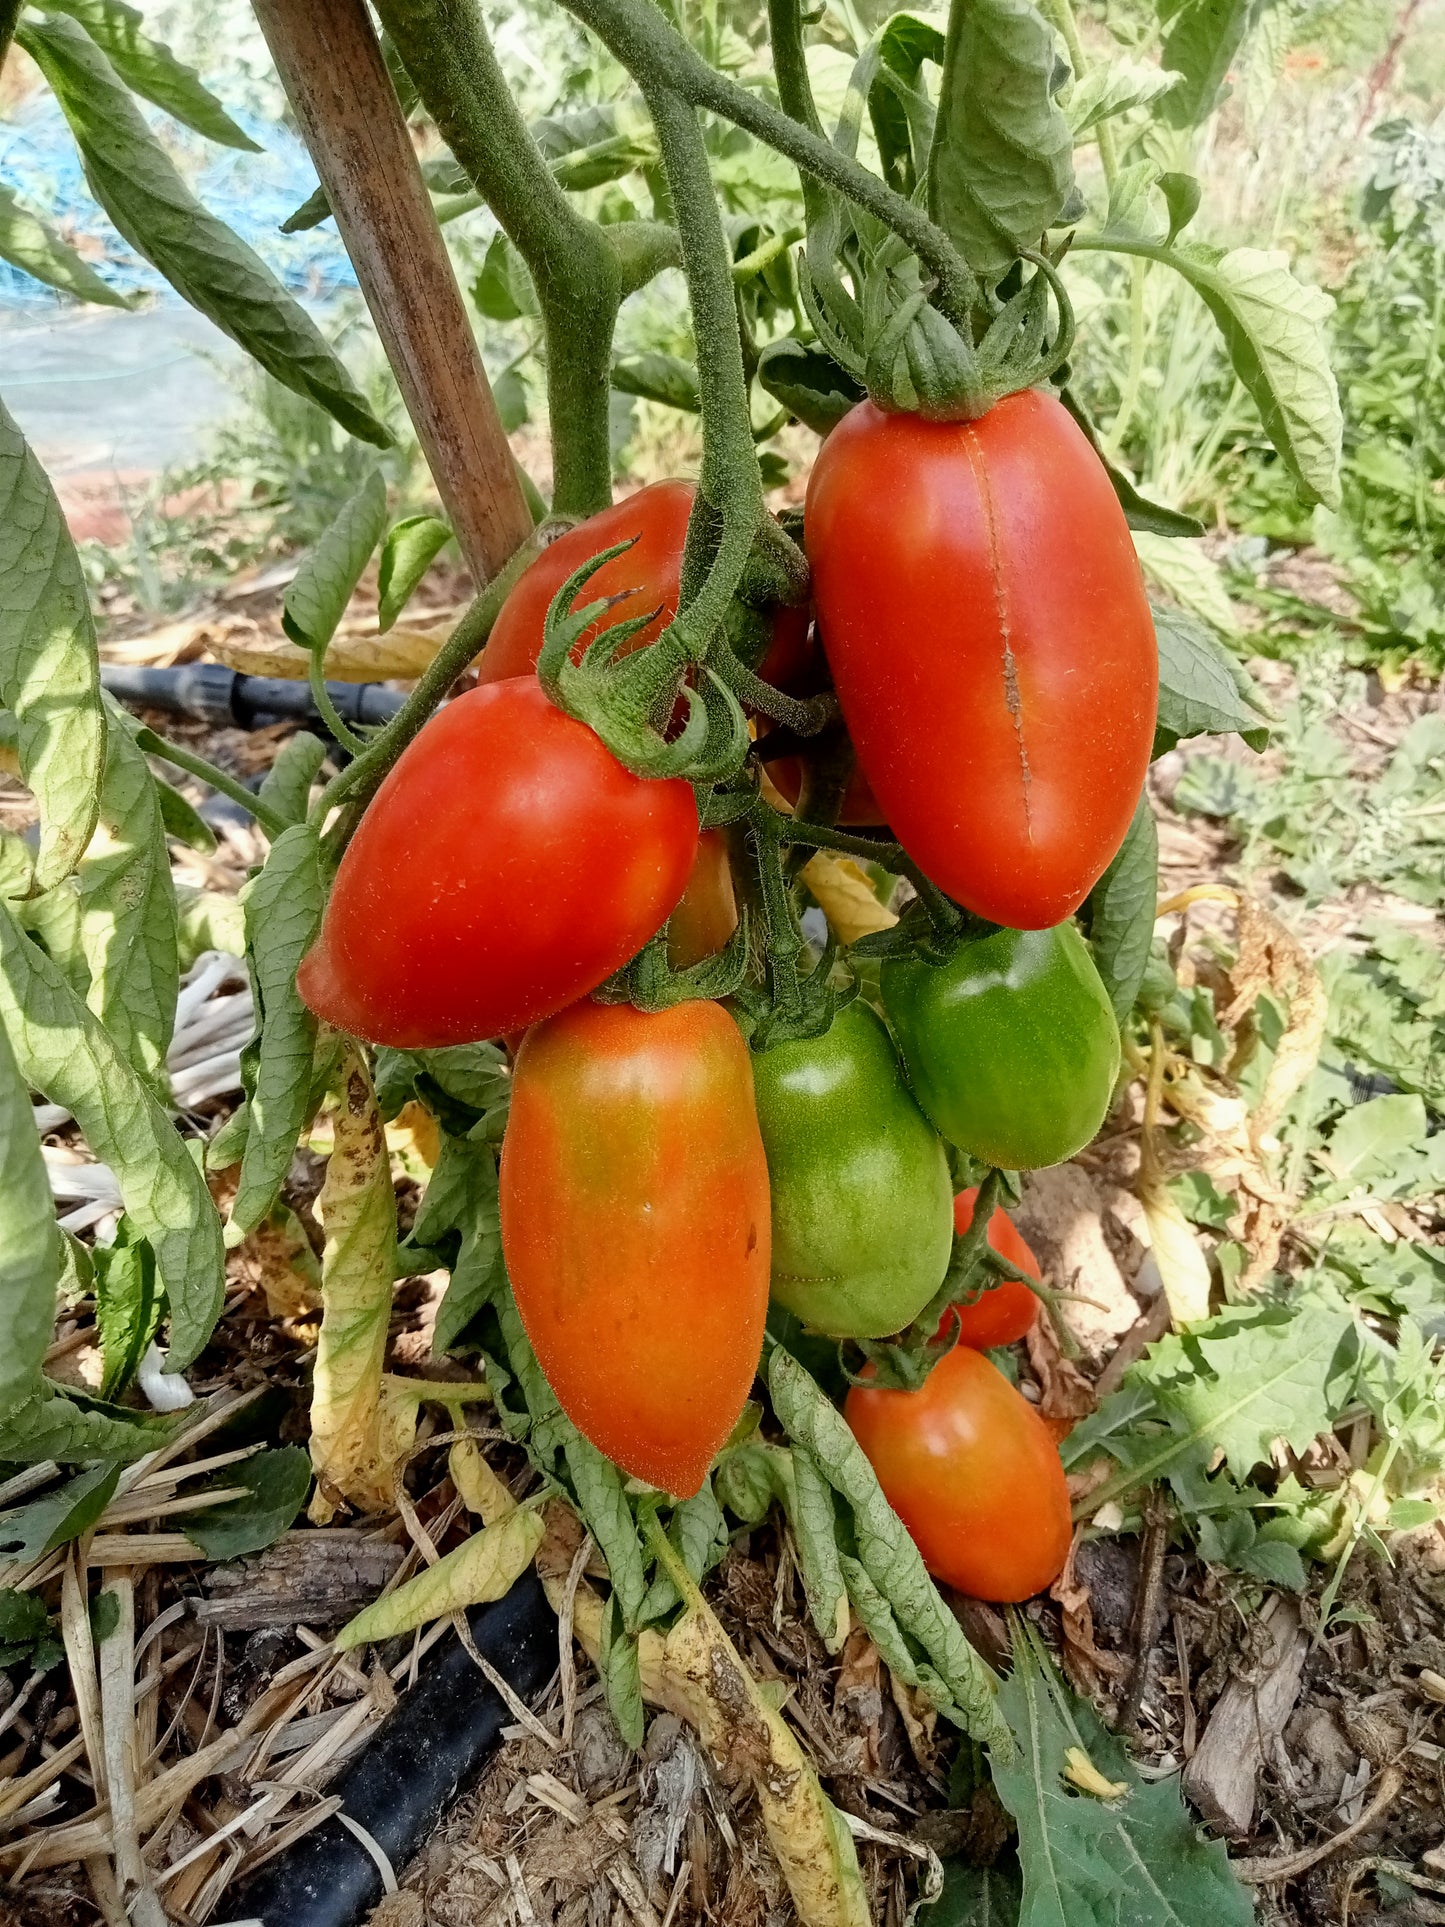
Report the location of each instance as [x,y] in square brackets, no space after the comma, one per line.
[1007,1310]
[648,576]
[861,1210]
[973,1472]
[1011,1045]
[984,616]
[507,866]
[635,1228]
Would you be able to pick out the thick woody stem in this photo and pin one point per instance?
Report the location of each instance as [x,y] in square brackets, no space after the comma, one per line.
[336,79]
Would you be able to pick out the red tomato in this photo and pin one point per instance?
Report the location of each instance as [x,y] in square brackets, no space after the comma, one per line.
[972,1471]
[650,573]
[708,914]
[860,805]
[636,1228]
[506,866]
[982,610]
[1007,1310]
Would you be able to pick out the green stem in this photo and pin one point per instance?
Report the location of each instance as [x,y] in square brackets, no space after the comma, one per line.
[360,779]
[227,785]
[790,64]
[325,708]
[574,266]
[638,34]
[643,250]
[1061,12]
[729,508]
[9,17]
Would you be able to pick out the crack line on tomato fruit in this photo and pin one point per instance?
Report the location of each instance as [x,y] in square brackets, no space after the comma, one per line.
[1010,662]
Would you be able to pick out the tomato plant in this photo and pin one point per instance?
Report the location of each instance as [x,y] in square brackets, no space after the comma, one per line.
[972,1471]
[506,867]
[991,644]
[1008,1309]
[635,1224]
[862,1230]
[1011,1045]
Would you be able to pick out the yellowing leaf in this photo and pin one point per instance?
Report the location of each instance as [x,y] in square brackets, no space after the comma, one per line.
[400,655]
[1182,1264]
[357,1207]
[846,896]
[1080,1771]
[485,1567]
[481,1490]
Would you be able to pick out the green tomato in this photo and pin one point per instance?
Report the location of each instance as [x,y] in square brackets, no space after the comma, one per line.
[862,1203]
[1011,1045]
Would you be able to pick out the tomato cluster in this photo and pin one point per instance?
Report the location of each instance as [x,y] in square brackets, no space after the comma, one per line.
[661,1182]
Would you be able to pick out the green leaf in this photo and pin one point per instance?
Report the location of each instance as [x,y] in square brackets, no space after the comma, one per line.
[1276,1563]
[66,1053]
[104,1616]
[54,1520]
[883,1629]
[899,107]
[1408,1515]
[1121,910]
[657,377]
[209,920]
[808,383]
[1190,577]
[286,788]
[23,1619]
[49,668]
[503,290]
[316,601]
[315,209]
[183,822]
[283,913]
[411,546]
[1001,167]
[127,1306]
[1203,689]
[30,1249]
[1201,41]
[462,1196]
[277,1482]
[1370,1140]
[976,1897]
[594,145]
[149,68]
[618,1663]
[47,1426]
[885,1550]
[129,922]
[816,1532]
[1091,1862]
[136,183]
[35,248]
[1114,87]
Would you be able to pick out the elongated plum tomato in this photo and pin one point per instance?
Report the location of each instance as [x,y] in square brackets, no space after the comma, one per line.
[1011,1045]
[634,1194]
[862,1225]
[506,866]
[973,1472]
[650,574]
[1007,1309]
[983,613]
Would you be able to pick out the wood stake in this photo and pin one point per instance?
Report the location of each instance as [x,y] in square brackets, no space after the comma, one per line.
[334,75]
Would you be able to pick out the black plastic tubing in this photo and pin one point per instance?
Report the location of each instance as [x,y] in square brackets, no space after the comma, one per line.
[424,1755]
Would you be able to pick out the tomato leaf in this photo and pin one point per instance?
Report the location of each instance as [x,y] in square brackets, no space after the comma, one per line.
[1114,87]
[658,377]
[49,667]
[283,913]
[503,290]
[286,788]
[1203,689]
[1121,910]
[30,1247]
[34,247]
[462,1197]
[136,183]
[316,601]
[32,1530]
[127,1306]
[594,145]
[411,546]
[619,1663]
[885,1550]
[149,68]
[485,1566]
[45,1425]
[815,1528]
[66,1053]
[1080,1854]
[129,922]
[977,1896]
[808,383]
[277,1482]
[1201,41]
[1190,577]
[1001,166]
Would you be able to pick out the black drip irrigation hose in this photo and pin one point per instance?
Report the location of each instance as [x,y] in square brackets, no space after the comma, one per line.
[424,1755]
[209,692]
